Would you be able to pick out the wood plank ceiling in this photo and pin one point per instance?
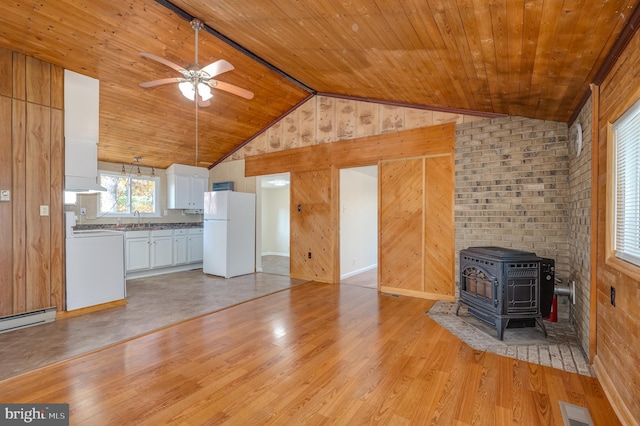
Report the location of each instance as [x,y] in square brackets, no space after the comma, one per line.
[517,57]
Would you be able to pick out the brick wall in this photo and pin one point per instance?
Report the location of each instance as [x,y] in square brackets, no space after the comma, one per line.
[512,187]
[580,226]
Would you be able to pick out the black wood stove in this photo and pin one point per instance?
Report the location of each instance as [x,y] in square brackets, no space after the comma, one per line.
[501,284]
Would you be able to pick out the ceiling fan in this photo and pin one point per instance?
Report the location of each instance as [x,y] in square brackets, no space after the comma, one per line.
[197,81]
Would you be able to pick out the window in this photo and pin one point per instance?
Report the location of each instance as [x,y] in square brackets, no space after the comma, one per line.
[127,194]
[70,198]
[626,151]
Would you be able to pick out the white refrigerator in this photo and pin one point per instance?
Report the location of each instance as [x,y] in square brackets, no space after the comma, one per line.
[229,233]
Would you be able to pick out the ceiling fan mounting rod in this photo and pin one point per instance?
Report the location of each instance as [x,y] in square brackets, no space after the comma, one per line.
[196,24]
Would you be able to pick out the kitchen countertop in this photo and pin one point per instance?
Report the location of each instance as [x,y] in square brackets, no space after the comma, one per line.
[138,227]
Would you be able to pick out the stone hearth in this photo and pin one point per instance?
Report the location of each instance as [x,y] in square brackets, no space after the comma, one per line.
[559,350]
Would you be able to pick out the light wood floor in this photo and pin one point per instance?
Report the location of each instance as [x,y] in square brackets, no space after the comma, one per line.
[367,279]
[315,354]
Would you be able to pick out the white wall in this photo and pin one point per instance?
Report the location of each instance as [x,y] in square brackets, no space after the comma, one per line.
[233,171]
[275,221]
[358,220]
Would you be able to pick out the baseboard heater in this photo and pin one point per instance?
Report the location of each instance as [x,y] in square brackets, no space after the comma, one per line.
[27,319]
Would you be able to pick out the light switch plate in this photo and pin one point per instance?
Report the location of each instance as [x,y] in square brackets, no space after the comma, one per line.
[44,210]
[5,195]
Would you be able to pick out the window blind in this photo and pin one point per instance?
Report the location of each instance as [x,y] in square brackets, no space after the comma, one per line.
[626,134]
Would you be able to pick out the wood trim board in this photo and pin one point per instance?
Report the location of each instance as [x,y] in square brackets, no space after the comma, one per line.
[366,151]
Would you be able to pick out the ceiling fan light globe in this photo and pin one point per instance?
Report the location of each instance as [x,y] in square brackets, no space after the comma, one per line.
[187,89]
[204,91]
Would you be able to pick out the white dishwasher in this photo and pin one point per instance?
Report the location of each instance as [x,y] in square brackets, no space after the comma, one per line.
[95,266]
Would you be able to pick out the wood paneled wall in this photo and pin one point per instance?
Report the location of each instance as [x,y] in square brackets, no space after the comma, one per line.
[401,220]
[314,238]
[618,327]
[315,185]
[417,241]
[32,168]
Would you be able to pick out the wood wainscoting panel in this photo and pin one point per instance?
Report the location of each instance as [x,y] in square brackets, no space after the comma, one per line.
[6,74]
[18,203]
[6,254]
[56,208]
[401,221]
[19,76]
[38,81]
[57,88]
[314,238]
[38,190]
[439,235]
[32,168]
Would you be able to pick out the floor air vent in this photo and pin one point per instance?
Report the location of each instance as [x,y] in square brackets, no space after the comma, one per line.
[390,295]
[575,415]
[27,319]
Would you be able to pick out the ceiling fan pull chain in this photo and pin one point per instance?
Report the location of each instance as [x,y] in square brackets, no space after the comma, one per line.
[196,102]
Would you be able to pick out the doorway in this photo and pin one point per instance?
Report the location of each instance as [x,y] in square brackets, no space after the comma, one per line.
[273,227]
[359,226]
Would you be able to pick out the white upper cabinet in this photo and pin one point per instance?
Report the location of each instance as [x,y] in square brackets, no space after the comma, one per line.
[81,106]
[81,129]
[186,186]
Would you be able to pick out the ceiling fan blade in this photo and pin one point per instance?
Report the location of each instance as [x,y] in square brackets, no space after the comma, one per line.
[163,61]
[217,68]
[154,83]
[202,103]
[239,91]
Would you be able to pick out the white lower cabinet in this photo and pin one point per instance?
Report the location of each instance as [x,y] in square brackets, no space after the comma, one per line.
[180,246]
[166,248]
[195,245]
[161,248]
[137,250]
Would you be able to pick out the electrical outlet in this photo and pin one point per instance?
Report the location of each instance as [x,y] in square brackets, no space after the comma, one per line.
[613,296]
[83,211]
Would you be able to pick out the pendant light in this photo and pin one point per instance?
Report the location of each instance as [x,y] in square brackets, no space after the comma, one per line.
[136,160]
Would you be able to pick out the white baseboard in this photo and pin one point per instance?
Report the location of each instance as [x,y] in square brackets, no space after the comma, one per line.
[275,253]
[358,271]
[161,271]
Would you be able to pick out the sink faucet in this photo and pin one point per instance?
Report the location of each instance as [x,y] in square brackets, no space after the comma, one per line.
[136,212]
